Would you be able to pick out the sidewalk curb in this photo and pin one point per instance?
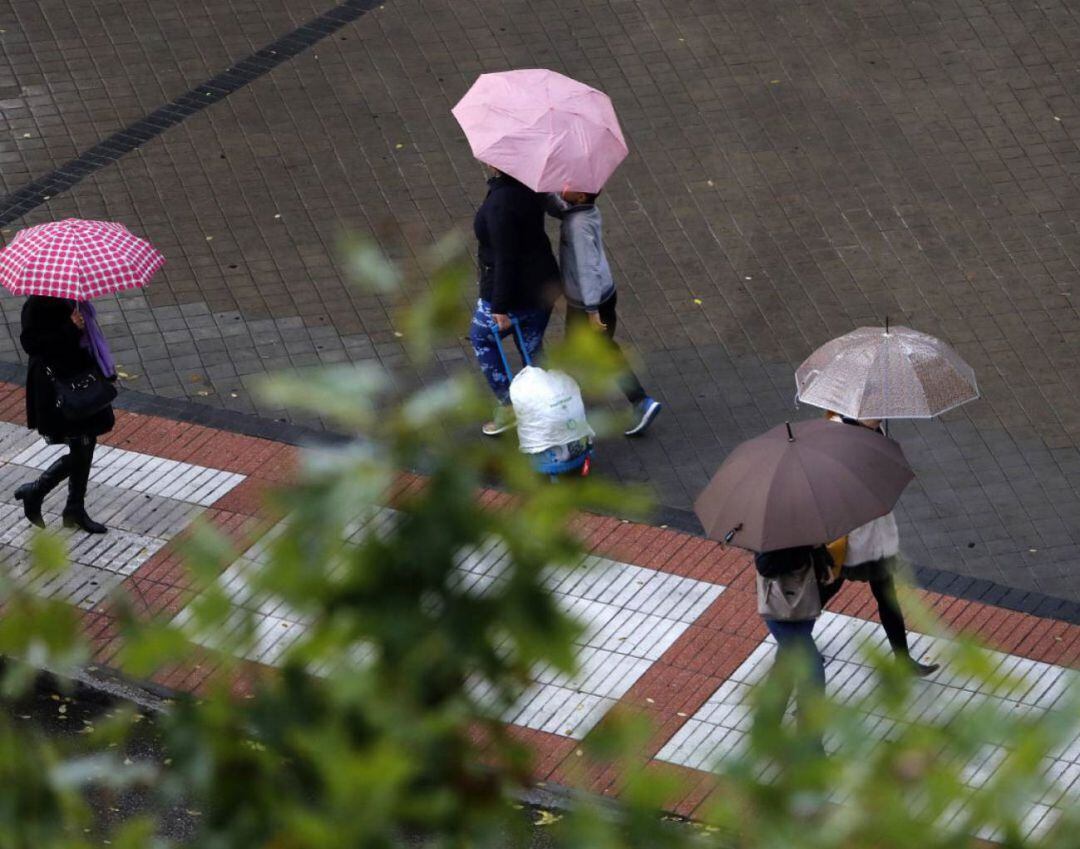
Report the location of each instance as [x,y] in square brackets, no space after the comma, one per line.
[940,581]
[107,685]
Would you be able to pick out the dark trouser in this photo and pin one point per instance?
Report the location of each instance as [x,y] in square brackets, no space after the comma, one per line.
[628,381]
[799,666]
[795,644]
[892,618]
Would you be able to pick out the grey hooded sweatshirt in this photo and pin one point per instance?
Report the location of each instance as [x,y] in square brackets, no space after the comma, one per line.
[586,275]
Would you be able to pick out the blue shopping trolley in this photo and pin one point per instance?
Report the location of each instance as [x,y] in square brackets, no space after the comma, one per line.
[576,457]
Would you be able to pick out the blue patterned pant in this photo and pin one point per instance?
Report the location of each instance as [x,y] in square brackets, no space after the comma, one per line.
[482,335]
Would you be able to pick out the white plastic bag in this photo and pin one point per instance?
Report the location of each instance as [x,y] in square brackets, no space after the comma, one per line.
[548,408]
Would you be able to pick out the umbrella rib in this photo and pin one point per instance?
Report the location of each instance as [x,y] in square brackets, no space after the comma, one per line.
[810,486]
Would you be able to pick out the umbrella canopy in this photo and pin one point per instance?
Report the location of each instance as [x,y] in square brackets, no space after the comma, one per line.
[886,373]
[802,484]
[77,259]
[548,131]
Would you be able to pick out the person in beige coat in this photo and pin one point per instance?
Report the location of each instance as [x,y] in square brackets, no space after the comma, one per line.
[872,555]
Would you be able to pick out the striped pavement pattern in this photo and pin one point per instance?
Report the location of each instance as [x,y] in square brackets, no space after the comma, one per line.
[671,631]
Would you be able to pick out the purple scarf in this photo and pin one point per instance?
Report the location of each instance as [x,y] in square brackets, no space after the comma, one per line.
[94,340]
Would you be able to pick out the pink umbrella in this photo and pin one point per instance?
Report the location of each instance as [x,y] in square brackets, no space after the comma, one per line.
[548,131]
[77,259]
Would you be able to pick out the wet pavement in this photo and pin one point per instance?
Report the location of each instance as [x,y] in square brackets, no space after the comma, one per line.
[795,171]
[68,717]
[670,627]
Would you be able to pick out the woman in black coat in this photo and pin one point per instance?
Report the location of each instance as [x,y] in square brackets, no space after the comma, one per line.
[54,335]
[519,279]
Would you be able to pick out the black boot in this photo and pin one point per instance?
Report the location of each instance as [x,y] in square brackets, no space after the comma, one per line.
[920,670]
[82,456]
[32,495]
[75,517]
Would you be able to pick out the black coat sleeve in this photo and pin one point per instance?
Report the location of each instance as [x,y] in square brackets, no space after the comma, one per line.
[48,331]
[504,222]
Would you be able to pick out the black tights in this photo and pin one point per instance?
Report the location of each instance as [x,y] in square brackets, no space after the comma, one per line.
[80,459]
[892,618]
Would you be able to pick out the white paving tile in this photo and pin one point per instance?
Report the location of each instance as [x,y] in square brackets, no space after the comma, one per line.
[144,473]
[720,726]
[144,500]
[632,616]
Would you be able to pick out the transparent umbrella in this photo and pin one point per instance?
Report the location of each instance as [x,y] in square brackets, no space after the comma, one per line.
[886,373]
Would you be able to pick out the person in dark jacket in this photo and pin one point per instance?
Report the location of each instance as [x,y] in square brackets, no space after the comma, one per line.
[789,602]
[519,279]
[62,336]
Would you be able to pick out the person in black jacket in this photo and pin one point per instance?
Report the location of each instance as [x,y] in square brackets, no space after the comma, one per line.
[519,279]
[54,335]
[789,602]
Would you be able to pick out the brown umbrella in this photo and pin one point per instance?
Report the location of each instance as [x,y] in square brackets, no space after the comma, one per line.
[802,484]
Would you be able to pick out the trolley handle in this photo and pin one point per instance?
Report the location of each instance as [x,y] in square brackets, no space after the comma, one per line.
[497,334]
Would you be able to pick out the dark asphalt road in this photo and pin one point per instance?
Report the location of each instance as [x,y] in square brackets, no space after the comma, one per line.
[66,716]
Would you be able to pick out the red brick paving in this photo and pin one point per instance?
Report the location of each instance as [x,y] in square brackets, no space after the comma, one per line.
[670,692]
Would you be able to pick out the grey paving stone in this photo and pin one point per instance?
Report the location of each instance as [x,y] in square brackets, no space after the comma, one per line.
[898,160]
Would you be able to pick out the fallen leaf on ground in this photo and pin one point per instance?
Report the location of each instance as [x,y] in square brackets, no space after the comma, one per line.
[547,818]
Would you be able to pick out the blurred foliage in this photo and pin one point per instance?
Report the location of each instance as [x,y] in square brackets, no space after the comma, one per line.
[383,719]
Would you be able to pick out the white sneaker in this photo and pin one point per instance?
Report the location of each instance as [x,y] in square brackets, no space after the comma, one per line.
[646,410]
[504,420]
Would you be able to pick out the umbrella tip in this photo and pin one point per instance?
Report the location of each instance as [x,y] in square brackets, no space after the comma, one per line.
[730,535]
[790,434]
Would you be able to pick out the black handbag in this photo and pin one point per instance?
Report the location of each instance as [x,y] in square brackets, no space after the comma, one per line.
[82,394]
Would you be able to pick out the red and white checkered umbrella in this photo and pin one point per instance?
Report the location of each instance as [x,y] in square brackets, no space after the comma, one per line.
[77,259]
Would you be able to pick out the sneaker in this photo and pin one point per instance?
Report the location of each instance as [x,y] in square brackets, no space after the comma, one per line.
[504,420]
[646,410]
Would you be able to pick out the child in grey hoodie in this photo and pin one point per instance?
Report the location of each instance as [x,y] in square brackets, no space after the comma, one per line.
[590,289]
